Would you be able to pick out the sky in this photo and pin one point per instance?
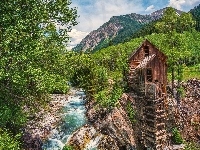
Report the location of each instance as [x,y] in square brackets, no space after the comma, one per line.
[94,13]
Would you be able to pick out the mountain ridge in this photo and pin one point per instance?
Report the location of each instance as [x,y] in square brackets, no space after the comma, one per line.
[117,30]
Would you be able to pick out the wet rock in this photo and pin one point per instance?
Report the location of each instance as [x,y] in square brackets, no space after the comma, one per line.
[109,129]
[85,138]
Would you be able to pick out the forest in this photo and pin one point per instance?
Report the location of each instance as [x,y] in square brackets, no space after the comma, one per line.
[35,62]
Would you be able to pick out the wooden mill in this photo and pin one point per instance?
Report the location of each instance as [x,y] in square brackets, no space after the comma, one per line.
[148,78]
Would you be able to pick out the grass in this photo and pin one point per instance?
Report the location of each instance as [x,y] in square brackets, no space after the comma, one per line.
[191,72]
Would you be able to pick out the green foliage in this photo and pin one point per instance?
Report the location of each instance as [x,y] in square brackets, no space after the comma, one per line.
[176,136]
[172,22]
[188,47]
[8,141]
[181,90]
[67,147]
[147,29]
[172,25]
[93,72]
[191,146]
[102,44]
[30,53]
[131,113]
[33,56]
[102,74]
[190,72]
[31,48]
[108,97]
[11,116]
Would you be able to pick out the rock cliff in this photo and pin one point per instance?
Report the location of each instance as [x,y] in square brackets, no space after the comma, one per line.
[114,128]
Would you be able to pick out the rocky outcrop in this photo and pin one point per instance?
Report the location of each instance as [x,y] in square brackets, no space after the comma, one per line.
[85,138]
[112,129]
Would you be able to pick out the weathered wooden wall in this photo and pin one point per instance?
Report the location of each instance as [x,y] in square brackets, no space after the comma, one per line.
[157,64]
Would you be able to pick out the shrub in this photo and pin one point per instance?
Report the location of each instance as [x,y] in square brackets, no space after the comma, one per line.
[108,98]
[9,142]
[67,147]
[131,113]
[176,136]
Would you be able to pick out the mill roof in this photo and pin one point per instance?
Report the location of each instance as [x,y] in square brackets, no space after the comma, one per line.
[145,61]
[146,42]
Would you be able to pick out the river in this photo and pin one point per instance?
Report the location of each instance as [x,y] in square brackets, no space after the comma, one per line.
[73,117]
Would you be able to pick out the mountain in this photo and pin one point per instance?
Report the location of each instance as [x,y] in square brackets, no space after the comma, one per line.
[117,30]
[113,30]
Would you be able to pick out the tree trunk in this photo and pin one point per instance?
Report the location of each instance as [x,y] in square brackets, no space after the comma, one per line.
[173,76]
[178,86]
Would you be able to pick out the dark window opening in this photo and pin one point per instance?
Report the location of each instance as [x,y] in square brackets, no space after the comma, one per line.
[146,51]
[149,75]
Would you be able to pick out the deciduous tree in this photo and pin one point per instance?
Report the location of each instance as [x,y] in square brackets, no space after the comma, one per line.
[33,38]
[171,24]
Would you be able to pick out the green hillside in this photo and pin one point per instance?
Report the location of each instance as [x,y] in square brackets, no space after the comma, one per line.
[131,28]
[93,72]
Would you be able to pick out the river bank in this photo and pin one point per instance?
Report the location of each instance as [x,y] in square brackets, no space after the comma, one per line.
[42,123]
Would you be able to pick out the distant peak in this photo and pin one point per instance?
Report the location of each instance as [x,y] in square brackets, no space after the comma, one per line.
[159,13]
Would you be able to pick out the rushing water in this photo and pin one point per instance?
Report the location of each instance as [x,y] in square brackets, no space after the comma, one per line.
[73,115]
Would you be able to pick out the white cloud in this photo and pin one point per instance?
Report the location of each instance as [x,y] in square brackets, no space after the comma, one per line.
[177,3]
[193,2]
[76,37]
[180,4]
[150,8]
[97,12]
